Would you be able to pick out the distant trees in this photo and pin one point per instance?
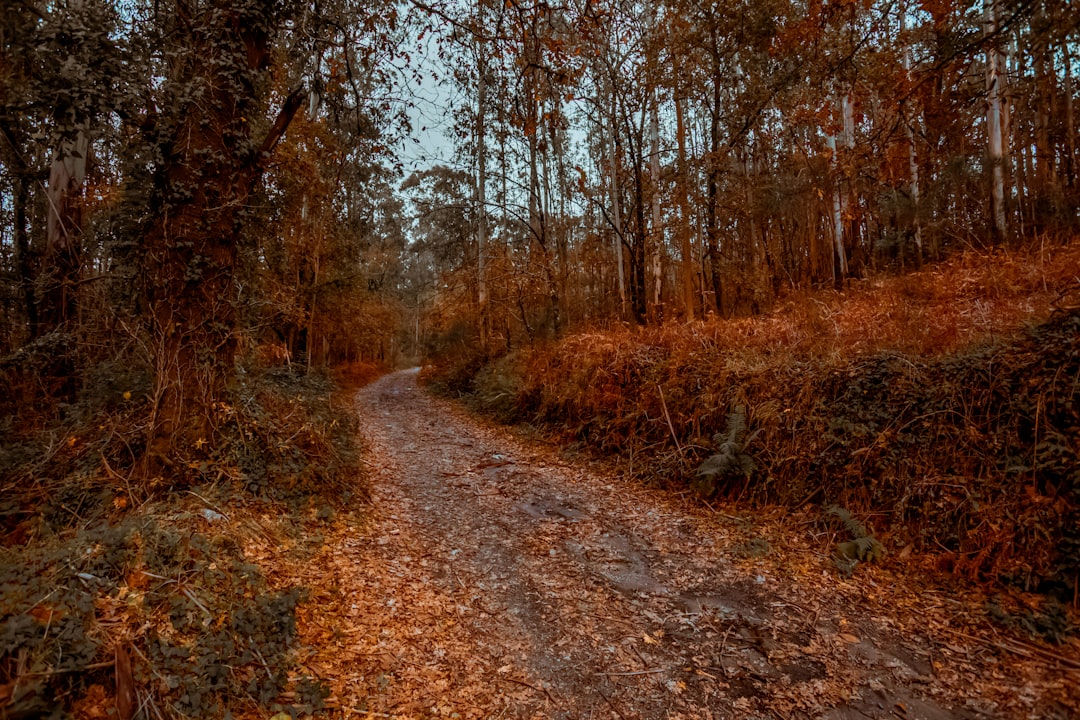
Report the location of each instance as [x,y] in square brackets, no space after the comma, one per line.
[676,159]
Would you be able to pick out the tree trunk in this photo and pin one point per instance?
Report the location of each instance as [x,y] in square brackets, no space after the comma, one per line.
[62,263]
[657,234]
[712,230]
[537,216]
[913,157]
[640,225]
[481,198]
[686,261]
[839,254]
[852,233]
[1046,175]
[22,250]
[1070,125]
[210,164]
[994,126]
[616,212]
[563,233]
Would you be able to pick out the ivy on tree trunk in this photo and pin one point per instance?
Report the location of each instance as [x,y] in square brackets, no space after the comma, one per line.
[210,165]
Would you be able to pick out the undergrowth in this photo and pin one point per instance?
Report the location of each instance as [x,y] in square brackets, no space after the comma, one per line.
[930,400]
[99,562]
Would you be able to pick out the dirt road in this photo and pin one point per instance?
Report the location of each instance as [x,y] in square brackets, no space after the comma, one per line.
[496,579]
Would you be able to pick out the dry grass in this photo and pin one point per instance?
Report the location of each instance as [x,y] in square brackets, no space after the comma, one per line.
[934,311]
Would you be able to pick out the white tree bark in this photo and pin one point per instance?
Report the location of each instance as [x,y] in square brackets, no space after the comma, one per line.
[684,210]
[994,125]
[657,221]
[913,157]
[616,211]
[65,178]
[1070,126]
[837,215]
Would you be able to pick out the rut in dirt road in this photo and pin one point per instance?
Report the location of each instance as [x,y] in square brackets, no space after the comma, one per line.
[496,579]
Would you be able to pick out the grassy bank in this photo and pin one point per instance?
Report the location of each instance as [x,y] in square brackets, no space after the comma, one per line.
[946,404]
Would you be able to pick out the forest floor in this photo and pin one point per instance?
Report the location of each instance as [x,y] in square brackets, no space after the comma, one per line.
[495,576]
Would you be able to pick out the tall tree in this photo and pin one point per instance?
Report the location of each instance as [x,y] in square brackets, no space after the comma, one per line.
[995,127]
[211,160]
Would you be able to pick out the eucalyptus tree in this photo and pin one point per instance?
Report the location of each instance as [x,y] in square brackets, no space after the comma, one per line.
[763,144]
[621,50]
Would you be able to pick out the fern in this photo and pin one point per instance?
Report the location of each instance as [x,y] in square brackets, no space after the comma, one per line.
[863,547]
[730,457]
[851,524]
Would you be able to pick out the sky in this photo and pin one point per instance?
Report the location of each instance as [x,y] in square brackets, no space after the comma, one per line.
[432,101]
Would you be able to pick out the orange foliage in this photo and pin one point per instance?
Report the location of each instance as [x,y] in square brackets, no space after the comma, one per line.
[931,312]
[354,375]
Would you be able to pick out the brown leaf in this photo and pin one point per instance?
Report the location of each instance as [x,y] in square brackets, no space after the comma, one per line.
[46,613]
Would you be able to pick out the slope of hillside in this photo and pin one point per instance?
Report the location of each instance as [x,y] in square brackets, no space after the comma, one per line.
[944,402]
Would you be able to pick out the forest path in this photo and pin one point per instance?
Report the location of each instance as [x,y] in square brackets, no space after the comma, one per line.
[496,579]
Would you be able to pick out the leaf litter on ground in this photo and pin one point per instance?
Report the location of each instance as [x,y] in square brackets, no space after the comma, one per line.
[536,586]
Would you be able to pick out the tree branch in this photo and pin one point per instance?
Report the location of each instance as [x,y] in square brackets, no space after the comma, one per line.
[281,123]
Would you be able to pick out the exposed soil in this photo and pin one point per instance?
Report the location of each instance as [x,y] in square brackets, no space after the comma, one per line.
[498,578]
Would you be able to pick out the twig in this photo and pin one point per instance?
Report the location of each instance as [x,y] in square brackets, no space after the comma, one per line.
[663,404]
[263,661]
[157,577]
[611,704]
[146,660]
[723,646]
[1021,648]
[48,624]
[191,596]
[84,668]
[649,671]
[644,662]
[491,464]
[528,685]
[212,505]
[149,701]
[606,618]
[47,596]
[118,476]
